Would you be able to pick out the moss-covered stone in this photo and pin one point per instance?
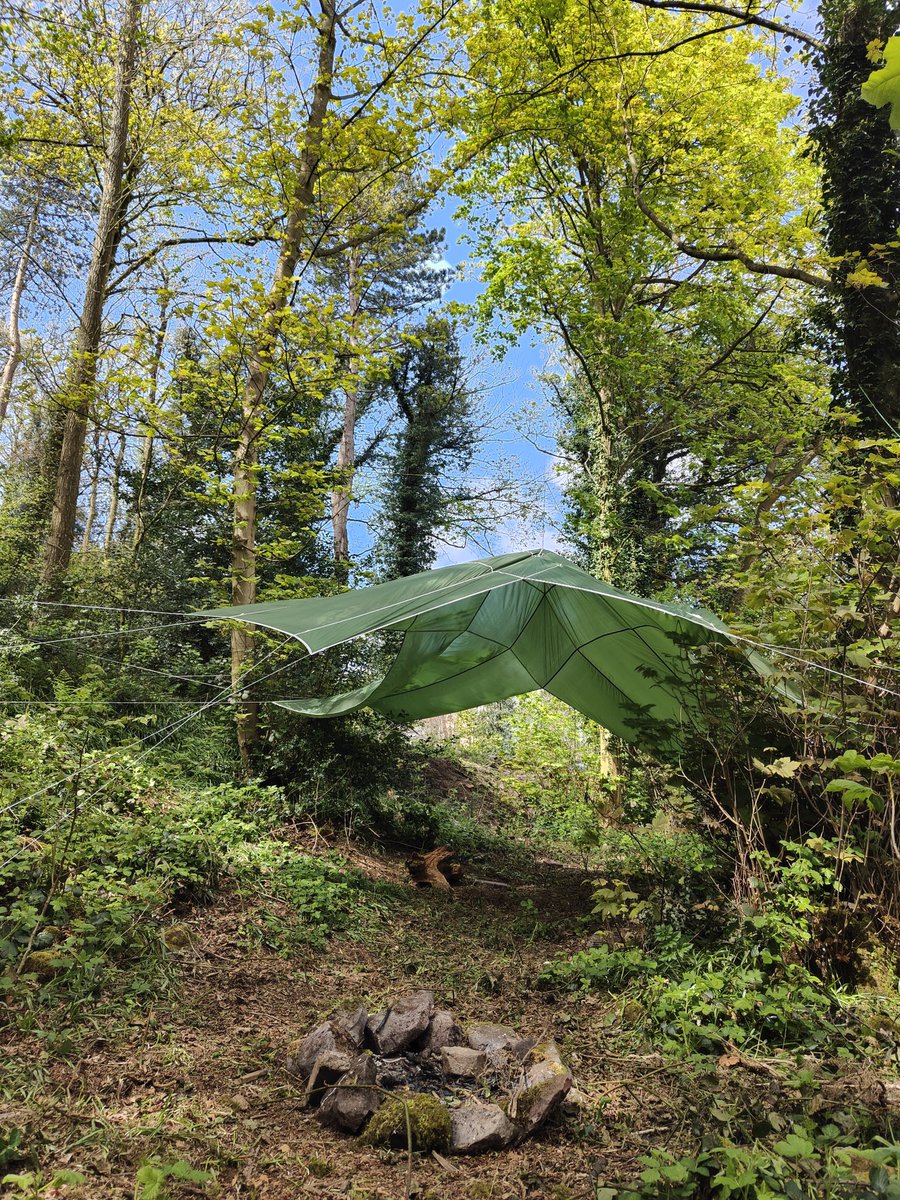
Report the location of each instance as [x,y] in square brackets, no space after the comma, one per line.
[633,1013]
[44,964]
[428,1119]
[178,938]
[879,1022]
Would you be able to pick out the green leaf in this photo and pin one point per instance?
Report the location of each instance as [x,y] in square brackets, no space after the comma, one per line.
[22,1181]
[149,1181]
[794,1146]
[850,760]
[854,792]
[879,1179]
[883,86]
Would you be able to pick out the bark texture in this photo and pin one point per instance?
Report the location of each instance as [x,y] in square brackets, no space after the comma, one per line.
[81,378]
[14,355]
[346,456]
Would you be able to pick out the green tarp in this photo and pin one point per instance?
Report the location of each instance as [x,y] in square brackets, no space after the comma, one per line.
[498,627]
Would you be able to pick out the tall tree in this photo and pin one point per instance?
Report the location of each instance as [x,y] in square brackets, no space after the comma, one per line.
[81,378]
[301,204]
[855,145]
[423,489]
[645,205]
[361,139]
[113,97]
[42,219]
[857,150]
[387,279]
[14,352]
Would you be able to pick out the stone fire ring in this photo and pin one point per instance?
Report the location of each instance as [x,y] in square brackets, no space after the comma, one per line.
[414,1063]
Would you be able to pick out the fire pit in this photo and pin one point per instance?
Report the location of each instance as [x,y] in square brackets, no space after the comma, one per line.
[411,1070]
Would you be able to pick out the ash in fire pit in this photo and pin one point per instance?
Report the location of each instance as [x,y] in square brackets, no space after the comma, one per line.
[482,1089]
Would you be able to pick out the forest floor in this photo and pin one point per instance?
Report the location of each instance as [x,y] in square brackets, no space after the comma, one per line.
[196,1074]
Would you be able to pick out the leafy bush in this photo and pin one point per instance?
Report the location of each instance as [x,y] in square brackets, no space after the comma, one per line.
[598,968]
[673,876]
[152,1178]
[705,1009]
[749,985]
[358,772]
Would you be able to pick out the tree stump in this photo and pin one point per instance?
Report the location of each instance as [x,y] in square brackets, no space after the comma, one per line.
[435,869]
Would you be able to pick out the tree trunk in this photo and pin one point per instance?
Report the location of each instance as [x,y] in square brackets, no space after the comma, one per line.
[243,556]
[92,496]
[857,150]
[147,447]
[81,377]
[114,495]
[243,552]
[14,355]
[346,456]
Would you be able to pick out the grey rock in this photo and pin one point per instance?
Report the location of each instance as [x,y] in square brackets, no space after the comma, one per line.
[462,1062]
[347,1106]
[574,1103]
[322,1040]
[351,1020]
[476,1128]
[492,1037]
[442,1031]
[329,1069]
[521,1048]
[397,1027]
[544,1050]
[543,1086]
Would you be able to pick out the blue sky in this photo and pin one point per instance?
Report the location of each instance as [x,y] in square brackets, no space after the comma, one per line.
[510,390]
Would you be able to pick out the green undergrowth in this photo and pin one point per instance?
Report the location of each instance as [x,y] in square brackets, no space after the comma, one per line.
[821,1164]
[721,988]
[109,874]
[113,843]
[698,973]
[102,871]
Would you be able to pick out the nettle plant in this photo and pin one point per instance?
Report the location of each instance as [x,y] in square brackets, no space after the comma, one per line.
[614,901]
[812,1164]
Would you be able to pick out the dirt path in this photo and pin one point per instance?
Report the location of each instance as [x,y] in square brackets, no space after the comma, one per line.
[196,1077]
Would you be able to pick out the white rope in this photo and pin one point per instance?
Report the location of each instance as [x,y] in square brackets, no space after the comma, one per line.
[140,741]
[158,612]
[173,728]
[92,703]
[215,682]
[787,652]
[858,679]
[82,637]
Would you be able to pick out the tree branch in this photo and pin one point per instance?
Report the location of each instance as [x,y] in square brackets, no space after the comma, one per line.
[201,240]
[692,250]
[726,10]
